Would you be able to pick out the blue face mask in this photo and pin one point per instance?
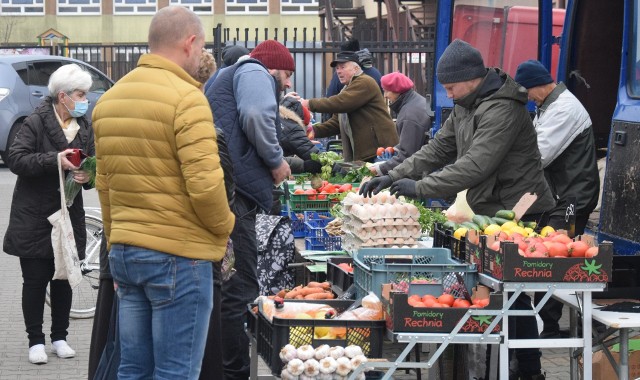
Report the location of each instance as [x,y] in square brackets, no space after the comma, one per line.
[80,108]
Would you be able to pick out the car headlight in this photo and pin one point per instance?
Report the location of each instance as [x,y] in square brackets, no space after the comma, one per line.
[4,92]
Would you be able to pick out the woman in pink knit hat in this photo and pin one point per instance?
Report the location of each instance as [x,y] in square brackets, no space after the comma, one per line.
[413,119]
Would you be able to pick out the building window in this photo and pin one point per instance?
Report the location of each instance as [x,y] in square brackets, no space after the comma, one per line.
[79,7]
[134,7]
[22,7]
[298,6]
[197,6]
[234,7]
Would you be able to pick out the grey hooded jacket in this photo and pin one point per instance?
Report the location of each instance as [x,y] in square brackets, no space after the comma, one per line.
[488,145]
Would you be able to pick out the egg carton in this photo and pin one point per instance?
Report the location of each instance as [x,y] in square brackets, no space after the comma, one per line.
[386,232]
[386,211]
[380,198]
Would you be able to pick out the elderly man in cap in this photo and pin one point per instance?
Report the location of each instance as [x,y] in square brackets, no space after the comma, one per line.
[567,148]
[359,111]
[488,146]
[413,119]
[244,99]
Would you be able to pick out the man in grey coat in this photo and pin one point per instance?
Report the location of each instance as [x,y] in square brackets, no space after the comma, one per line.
[487,145]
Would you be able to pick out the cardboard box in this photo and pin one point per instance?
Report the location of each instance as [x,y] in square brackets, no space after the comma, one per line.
[602,368]
[402,317]
[508,265]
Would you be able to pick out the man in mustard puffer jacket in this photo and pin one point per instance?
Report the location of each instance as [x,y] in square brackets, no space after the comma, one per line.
[163,200]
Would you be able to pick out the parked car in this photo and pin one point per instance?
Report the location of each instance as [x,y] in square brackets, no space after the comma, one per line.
[23,85]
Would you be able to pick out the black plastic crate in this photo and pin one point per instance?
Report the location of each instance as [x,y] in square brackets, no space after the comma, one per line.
[340,280]
[272,336]
[443,238]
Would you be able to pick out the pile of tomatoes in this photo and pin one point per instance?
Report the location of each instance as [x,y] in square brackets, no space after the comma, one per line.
[445,300]
[555,244]
[322,192]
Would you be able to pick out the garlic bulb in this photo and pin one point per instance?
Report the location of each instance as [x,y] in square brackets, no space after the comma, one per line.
[352,351]
[288,353]
[305,377]
[328,365]
[295,367]
[336,352]
[305,352]
[322,352]
[324,376]
[311,367]
[357,360]
[343,366]
[286,375]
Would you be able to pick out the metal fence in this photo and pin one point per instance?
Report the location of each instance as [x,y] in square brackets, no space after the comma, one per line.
[311,54]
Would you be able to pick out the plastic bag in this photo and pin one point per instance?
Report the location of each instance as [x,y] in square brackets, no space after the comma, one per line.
[293,310]
[371,310]
[460,211]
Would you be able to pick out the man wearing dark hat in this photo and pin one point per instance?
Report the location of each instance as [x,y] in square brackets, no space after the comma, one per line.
[413,119]
[359,111]
[248,115]
[567,148]
[366,62]
[488,146]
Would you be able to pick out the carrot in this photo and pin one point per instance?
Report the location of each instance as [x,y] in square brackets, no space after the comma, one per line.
[319,296]
[299,297]
[308,290]
[294,292]
[282,293]
[323,285]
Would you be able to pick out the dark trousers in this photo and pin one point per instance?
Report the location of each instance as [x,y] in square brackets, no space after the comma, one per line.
[36,275]
[525,327]
[239,290]
[212,368]
[101,323]
[551,311]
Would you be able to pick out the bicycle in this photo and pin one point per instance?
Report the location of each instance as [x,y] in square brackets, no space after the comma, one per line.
[85,295]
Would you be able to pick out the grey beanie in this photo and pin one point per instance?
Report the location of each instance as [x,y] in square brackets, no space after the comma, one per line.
[460,62]
[231,54]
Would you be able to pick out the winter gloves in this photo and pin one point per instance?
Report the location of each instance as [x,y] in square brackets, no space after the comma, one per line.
[404,186]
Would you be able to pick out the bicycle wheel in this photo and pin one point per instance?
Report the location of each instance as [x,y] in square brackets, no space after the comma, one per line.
[85,295]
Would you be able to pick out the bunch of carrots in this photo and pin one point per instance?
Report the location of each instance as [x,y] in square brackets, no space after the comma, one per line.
[312,291]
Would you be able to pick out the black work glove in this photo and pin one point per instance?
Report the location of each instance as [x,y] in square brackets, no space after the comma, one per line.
[339,169]
[406,187]
[375,185]
[312,166]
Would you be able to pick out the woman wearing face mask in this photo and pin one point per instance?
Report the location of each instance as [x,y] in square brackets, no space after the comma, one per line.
[58,124]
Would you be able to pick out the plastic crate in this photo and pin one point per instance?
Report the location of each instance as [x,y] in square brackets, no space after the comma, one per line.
[415,267]
[297,224]
[325,243]
[340,280]
[301,202]
[444,238]
[316,228]
[317,215]
[272,336]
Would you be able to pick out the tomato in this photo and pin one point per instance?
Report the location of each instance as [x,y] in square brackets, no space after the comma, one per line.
[591,252]
[298,191]
[495,246]
[429,302]
[428,297]
[446,299]
[537,250]
[380,151]
[412,300]
[578,249]
[562,238]
[389,150]
[344,188]
[322,197]
[459,302]
[557,249]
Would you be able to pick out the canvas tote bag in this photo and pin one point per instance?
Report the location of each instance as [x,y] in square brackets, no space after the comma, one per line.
[65,252]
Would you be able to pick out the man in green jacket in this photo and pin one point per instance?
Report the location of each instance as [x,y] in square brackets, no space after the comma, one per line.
[360,114]
[488,145]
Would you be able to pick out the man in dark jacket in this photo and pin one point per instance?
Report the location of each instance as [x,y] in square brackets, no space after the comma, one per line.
[568,150]
[244,99]
[413,119]
[360,114]
[491,141]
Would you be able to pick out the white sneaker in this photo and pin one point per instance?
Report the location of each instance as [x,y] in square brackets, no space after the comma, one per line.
[62,349]
[37,355]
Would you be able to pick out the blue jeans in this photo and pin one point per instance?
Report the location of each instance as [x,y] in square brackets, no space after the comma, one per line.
[165,304]
[239,290]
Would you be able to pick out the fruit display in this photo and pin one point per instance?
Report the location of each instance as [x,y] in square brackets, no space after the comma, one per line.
[324,191]
[379,221]
[445,300]
[323,362]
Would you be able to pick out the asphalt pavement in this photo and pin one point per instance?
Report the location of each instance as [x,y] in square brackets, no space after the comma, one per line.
[14,363]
